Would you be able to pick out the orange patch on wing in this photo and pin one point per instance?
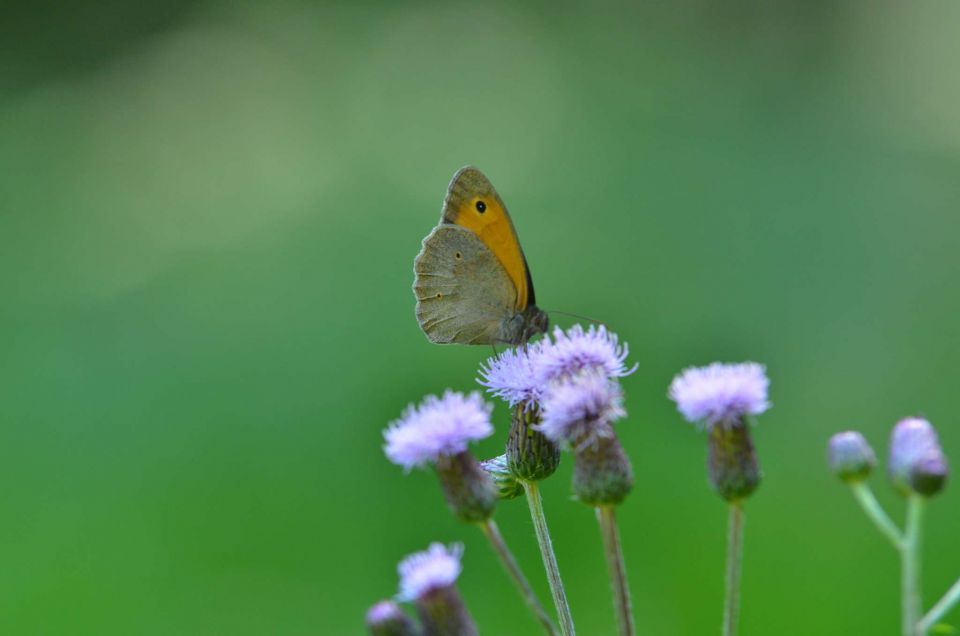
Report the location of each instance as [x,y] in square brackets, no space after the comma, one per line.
[495,230]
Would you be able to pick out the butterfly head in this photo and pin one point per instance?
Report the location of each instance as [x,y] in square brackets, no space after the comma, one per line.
[525,325]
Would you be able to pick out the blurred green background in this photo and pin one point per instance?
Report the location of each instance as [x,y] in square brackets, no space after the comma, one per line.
[208,218]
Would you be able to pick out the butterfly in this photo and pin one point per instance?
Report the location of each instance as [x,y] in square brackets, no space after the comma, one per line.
[471,279]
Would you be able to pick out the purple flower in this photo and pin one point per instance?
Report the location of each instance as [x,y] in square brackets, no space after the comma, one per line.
[439,426]
[383,611]
[386,618]
[720,392]
[850,456]
[915,456]
[510,374]
[521,375]
[434,568]
[581,406]
[576,350]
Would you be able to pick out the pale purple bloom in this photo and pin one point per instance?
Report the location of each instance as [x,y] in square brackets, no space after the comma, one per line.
[720,392]
[439,426]
[914,447]
[386,617]
[422,572]
[575,350]
[521,375]
[850,455]
[510,374]
[383,611]
[580,406]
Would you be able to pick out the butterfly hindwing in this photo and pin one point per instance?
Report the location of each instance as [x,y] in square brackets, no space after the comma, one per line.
[463,292]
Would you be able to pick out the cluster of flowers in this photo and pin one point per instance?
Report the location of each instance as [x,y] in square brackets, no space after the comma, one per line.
[564,393]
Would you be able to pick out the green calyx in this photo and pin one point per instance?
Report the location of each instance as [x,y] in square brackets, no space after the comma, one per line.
[530,455]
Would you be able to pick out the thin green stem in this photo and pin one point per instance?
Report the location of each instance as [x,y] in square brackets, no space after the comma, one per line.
[871,506]
[731,606]
[910,567]
[940,609]
[606,517]
[492,532]
[549,558]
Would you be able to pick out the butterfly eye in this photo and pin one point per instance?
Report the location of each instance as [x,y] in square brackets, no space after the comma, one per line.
[481,207]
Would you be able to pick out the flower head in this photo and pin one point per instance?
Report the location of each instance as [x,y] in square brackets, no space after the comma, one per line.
[917,462]
[580,406]
[509,375]
[721,392]
[387,619]
[576,350]
[436,567]
[850,456]
[439,426]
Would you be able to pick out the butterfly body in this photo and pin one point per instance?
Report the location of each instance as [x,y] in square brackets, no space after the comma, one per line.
[471,279]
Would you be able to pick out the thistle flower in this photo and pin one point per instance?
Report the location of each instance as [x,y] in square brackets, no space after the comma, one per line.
[387,619]
[530,455]
[720,397]
[917,462]
[509,375]
[575,350]
[521,375]
[850,456]
[578,408]
[579,411]
[422,572]
[438,432]
[428,579]
[438,427]
[707,395]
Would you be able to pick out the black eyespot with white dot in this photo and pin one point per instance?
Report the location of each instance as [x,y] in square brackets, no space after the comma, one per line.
[458,255]
[481,207]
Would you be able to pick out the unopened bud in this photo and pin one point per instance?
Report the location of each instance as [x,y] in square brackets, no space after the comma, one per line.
[387,619]
[505,481]
[917,463]
[850,456]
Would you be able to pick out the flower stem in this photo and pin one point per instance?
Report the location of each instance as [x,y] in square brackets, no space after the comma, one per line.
[731,605]
[606,517]
[942,607]
[492,532]
[549,558]
[871,506]
[910,567]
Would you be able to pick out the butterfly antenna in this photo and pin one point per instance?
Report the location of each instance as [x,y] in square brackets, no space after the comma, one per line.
[572,315]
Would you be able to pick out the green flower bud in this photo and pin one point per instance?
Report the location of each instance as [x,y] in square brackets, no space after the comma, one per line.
[505,481]
[732,462]
[387,619]
[530,455]
[602,475]
[850,456]
[443,613]
[469,491]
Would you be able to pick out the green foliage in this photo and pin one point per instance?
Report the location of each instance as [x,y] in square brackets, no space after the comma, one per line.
[208,218]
